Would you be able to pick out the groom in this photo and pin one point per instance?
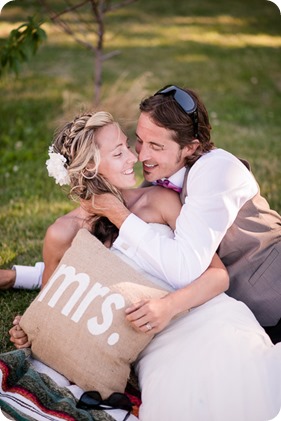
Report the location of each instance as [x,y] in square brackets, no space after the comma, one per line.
[222,208]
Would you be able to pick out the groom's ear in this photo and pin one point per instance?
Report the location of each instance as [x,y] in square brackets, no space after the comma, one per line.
[189,149]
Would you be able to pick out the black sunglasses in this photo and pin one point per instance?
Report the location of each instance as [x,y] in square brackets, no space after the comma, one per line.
[93,400]
[185,101]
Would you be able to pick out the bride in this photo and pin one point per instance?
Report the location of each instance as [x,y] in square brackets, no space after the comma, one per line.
[209,359]
[213,363]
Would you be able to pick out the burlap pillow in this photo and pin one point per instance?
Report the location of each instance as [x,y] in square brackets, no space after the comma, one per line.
[77,323]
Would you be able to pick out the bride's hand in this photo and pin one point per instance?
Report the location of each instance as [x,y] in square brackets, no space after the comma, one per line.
[18,336]
[149,316]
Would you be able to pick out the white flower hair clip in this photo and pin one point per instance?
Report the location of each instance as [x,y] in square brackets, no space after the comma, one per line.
[56,168]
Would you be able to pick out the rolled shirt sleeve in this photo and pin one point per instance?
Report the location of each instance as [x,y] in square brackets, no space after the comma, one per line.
[218,186]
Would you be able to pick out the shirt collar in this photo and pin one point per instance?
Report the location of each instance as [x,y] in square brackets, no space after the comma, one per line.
[178,177]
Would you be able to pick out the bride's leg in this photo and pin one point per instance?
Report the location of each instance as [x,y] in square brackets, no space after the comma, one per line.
[7,278]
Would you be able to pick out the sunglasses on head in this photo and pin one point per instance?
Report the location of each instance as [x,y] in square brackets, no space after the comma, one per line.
[93,400]
[185,101]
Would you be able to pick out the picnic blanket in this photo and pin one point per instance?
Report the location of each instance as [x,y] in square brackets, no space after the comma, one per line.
[26,394]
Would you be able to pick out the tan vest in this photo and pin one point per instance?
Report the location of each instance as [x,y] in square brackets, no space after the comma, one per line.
[251,251]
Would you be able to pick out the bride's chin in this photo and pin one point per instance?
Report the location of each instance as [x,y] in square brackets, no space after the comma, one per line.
[131,181]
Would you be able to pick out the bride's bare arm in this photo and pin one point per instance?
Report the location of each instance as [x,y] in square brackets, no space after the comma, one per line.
[159,312]
[56,241]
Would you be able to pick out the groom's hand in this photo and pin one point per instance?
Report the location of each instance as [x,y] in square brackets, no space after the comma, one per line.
[107,205]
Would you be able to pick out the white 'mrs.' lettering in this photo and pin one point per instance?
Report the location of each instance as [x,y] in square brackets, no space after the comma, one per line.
[70,277]
[114,299]
[96,291]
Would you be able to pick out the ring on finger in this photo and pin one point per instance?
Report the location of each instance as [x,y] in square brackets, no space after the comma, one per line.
[148,326]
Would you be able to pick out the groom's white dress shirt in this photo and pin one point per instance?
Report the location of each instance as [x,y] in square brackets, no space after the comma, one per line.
[218,185]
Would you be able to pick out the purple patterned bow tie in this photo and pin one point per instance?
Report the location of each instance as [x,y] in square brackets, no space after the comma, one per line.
[168,185]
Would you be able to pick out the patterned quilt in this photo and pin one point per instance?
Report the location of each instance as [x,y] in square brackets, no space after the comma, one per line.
[26,394]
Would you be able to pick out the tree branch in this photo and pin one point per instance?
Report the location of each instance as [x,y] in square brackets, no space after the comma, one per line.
[69,9]
[66,28]
[109,55]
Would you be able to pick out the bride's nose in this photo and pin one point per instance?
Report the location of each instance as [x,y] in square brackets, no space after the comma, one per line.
[132,157]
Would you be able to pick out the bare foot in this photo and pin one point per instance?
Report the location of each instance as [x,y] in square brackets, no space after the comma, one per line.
[7,278]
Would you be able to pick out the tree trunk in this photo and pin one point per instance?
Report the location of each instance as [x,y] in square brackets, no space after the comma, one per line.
[97,76]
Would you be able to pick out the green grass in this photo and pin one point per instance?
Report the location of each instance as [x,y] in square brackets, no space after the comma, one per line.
[228,51]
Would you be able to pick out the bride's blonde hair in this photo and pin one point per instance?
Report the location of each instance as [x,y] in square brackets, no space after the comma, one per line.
[76,141]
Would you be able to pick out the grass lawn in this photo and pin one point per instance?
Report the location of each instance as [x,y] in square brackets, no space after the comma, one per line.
[228,51]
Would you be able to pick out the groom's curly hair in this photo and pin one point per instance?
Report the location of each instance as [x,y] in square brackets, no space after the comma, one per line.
[76,141]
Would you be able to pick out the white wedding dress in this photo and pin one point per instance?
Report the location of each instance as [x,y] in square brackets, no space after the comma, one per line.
[215,363]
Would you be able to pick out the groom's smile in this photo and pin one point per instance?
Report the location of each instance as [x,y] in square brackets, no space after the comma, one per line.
[160,155]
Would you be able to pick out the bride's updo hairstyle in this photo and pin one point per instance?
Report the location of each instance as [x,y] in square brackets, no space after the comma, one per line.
[76,142]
